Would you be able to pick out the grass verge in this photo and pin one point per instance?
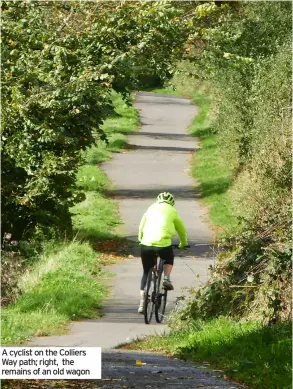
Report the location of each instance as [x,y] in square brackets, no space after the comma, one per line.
[208,167]
[210,170]
[256,355]
[247,351]
[124,121]
[95,218]
[64,283]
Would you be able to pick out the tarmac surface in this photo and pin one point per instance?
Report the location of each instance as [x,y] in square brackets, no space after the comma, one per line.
[159,160]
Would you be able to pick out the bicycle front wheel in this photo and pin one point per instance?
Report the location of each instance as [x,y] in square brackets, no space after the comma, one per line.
[149,304]
[161,300]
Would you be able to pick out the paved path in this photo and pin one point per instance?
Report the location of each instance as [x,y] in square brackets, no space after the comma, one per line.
[157,372]
[159,161]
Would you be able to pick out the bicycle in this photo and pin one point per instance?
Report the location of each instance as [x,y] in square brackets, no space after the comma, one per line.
[155,296]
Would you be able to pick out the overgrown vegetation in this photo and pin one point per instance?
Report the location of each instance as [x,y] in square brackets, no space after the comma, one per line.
[63,285]
[50,282]
[255,354]
[239,59]
[250,67]
[238,70]
[58,76]
[60,63]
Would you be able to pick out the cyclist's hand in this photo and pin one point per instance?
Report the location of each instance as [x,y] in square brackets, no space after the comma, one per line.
[183,247]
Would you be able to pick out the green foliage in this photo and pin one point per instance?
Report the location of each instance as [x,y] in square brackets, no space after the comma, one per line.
[210,170]
[257,355]
[62,286]
[46,119]
[42,281]
[230,47]
[19,327]
[95,218]
[58,76]
[245,53]
[12,266]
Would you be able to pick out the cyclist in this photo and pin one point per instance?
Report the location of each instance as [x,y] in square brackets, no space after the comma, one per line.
[156,230]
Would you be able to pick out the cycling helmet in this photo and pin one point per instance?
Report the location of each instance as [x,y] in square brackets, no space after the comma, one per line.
[166,197]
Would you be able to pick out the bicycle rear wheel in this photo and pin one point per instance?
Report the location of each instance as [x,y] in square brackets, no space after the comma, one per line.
[161,300]
[149,294]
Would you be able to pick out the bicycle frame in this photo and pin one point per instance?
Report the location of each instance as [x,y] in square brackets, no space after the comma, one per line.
[158,267]
[156,298]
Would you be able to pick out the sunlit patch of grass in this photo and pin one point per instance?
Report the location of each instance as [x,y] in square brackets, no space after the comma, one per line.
[257,355]
[59,288]
[65,282]
[18,327]
[95,218]
[208,168]
[125,119]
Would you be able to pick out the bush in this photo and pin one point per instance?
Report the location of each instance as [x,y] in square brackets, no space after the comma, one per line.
[58,80]
[245,53]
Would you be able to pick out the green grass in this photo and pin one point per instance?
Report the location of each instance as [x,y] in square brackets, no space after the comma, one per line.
[92,178]
[124,121]
[65,282]
[63,285]
[257,355]
[18,327]
[208,167]
[95,218]
[210,170]
[254,354]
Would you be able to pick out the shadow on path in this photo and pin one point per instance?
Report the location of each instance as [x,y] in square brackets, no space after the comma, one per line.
[159,95]
[179,193]
[198,250]
[156,135]
[164,148]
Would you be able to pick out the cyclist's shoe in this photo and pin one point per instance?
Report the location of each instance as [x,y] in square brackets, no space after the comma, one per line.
[141,307]
[167,284]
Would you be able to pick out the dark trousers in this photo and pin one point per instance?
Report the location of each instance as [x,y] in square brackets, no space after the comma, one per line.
[149,255]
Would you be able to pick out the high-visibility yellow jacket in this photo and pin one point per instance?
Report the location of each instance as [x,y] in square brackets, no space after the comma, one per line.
[158,226]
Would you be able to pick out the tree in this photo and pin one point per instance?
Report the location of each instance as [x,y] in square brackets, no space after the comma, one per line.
[60,62]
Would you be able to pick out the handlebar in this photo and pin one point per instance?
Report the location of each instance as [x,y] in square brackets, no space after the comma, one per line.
[175,246]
